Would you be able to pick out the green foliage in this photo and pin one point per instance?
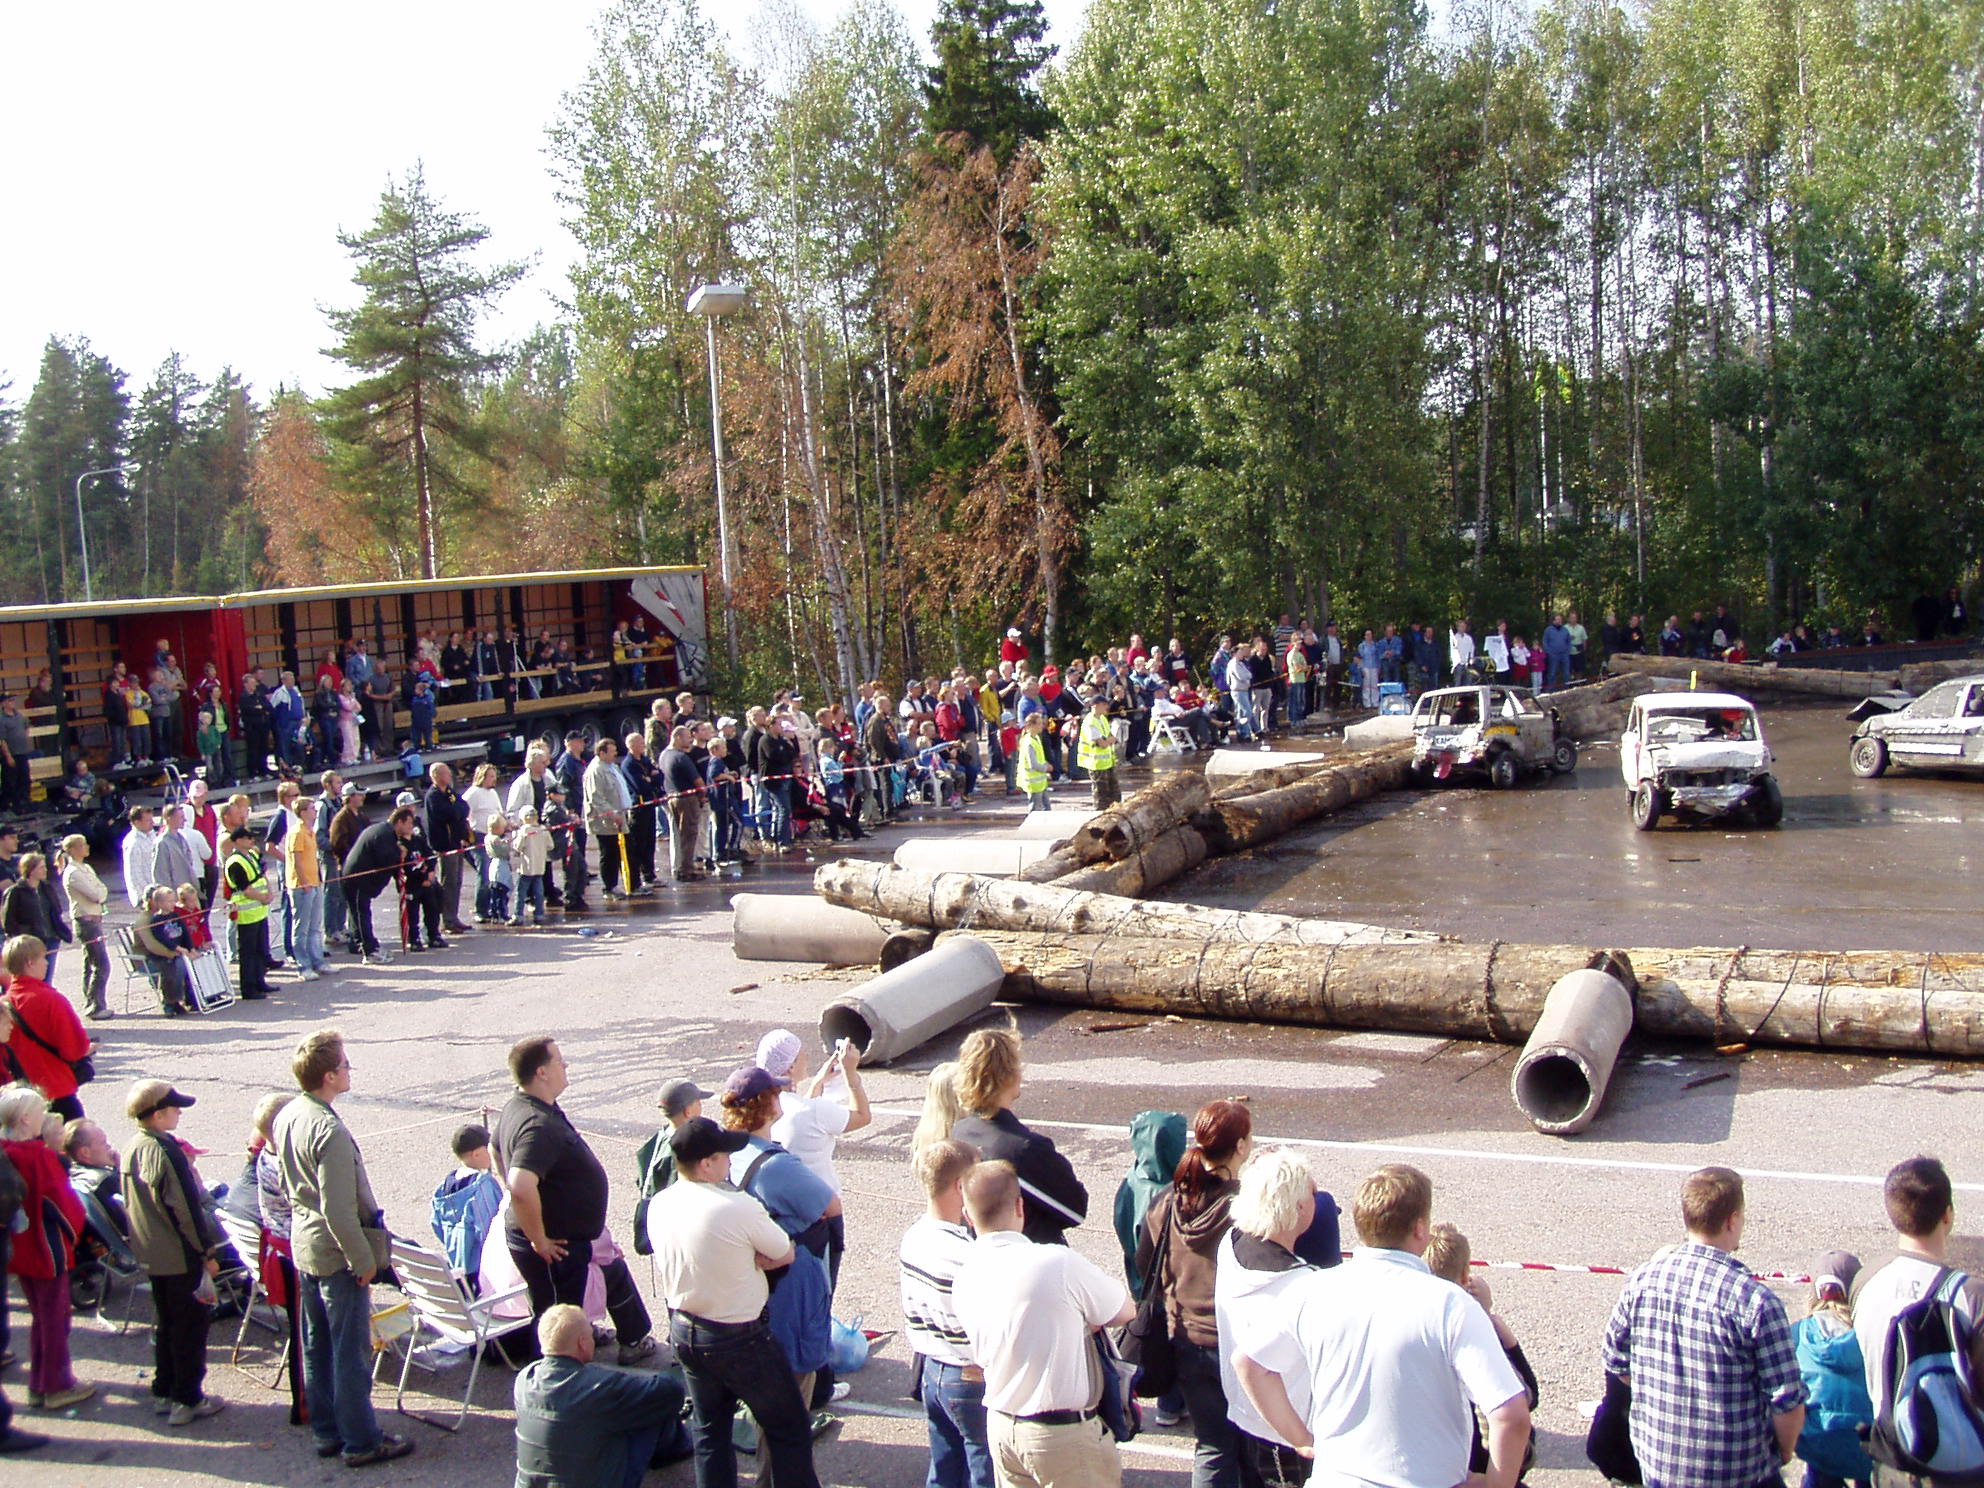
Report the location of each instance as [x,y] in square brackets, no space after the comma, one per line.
[983,87]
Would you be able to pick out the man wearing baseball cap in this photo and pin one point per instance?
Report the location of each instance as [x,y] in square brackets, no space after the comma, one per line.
[713,1245]
[176,1242]
[1095,748]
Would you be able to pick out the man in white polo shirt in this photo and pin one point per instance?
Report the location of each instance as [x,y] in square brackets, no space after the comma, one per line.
[1393,1356]
[712,1247]
[1028,1312]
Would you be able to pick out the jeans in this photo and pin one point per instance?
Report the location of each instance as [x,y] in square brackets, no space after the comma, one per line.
[337,1362]
[334,906]
[179,1339]
[530,893]
[729,1363]
[954,1408]
[565,1281]
[307,908]
[775,813]
[479,855]
[1216,1457]
[1298,702]
[1556,672]
[729,823]
[1260,703]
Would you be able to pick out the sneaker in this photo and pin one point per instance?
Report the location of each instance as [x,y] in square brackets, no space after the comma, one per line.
[186,1415]
[439,943]
[306,975]
[76,1394]
[162,1406]
[390,1449]
[634,1353]
[376,958]
[823,1422]
[415,947]
[842,1389]
[1167,1418]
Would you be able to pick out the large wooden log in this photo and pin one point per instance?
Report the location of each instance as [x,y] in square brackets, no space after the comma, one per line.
[1157,809]
[1920,676]
[1263,769]
[1232,823]
[1890,1001]
[1059,863]
[1153,865]
[1597,710]
[1463,991]
[1748,679]
[947,901]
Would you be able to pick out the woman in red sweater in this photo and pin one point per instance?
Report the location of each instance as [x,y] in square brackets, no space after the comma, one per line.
[48,1037]
[45,1252]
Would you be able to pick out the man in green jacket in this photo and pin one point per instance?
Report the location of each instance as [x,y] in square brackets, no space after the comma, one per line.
[177,1244]
[586,1425]
[334,1221]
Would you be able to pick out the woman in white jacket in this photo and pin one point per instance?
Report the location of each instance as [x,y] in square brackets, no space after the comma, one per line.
[88,899]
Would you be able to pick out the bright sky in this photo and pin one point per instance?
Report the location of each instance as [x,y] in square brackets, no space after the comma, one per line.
[178,174]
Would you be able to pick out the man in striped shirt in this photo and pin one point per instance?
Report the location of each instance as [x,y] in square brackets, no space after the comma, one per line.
[952,1388]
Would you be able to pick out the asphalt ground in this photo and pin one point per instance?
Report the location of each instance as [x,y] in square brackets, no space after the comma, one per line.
[659,993]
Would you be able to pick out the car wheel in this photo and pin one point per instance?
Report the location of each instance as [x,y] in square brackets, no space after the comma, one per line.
[1564,758]
[1646,806]
[1502,770]
[1768,802]
[1868,756]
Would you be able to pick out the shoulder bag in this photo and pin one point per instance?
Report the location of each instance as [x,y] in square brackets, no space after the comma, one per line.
[84,1069]
[1145,1341]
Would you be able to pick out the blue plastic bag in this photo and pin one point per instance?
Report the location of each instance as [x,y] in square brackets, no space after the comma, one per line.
[850,1346]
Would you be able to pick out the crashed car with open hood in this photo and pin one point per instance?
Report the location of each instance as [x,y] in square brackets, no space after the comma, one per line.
[1699,756]
[1499,732]
[1941,730]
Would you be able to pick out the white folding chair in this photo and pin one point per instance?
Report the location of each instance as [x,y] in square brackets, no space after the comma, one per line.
[246,1238]
[443,1305]
[1166,735]
[125,947]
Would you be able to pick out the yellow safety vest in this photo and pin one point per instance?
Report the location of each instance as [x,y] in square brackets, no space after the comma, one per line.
[1033,764]
[1096,745]
[246,910]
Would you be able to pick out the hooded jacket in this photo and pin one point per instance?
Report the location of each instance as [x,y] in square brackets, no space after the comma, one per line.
[1835,1375]
[1191,1258]
[1157,1142]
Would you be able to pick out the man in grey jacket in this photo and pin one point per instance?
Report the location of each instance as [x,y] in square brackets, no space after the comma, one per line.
[587,1425]
[333,1220]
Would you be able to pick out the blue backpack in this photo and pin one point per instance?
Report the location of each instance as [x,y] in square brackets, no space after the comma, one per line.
[1927,1420]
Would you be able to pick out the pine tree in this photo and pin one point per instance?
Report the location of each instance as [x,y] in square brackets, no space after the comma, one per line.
[988,53]
[412,340]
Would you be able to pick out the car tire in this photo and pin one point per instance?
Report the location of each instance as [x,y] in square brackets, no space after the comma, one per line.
[1564,757]
[1646,806]
[1867,757]
[1767,805]
[1502,771]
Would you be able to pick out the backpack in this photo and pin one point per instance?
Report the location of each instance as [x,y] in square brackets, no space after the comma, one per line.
[1927,1421]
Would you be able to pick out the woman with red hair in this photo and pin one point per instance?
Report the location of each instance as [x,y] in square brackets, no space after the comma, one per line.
[1182,1234]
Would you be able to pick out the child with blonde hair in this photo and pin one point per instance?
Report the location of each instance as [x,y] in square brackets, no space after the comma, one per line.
[498,848]
[530,853]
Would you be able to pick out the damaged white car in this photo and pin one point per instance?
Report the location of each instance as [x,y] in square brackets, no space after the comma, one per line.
[1941,730]
[1699,756]
[1498,732]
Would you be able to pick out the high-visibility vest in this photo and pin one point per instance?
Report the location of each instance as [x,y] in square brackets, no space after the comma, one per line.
[246,910]
[1096,745]
[1033,764]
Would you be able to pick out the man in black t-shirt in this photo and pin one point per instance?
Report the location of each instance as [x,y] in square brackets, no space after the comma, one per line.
[558,1199]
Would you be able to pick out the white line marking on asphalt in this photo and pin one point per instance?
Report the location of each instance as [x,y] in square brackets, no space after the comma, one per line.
[905,1413]
[1541,1158]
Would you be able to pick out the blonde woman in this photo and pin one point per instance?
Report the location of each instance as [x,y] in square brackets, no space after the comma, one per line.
[940,1108]
[88,899]
[483,802]
[988,1081]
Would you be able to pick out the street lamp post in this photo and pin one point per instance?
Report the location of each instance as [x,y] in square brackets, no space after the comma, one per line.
[710,301]
[82,530]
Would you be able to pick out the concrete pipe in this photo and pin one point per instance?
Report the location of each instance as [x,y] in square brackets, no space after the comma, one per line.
[1049,826]
[1225,765]
[920,999]
[1559,1082]
[801,927]
[995,857]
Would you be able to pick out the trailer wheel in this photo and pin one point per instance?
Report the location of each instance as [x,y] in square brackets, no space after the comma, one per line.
[590,725]
[625,723]
[551,736]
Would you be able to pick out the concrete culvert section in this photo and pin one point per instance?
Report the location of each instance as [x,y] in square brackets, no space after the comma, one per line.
[1559,1082]
[920,999]
[800,927]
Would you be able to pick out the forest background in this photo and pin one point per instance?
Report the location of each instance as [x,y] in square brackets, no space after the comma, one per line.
[1234,308]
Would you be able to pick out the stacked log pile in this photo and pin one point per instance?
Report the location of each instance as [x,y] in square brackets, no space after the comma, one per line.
[1747,679]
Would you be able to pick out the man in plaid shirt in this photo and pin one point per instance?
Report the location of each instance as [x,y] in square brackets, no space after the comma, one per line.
[1717,1401]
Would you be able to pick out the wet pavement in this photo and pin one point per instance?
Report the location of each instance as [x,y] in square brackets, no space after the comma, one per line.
[1869,864]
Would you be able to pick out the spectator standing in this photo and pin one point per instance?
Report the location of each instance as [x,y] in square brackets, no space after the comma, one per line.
[608,806]
[988,1081]
[1028,1312]
[1392,1356]
[1920,1203]
[88,899]
[369,866]
[1369,656]
[682,781]
[584,1425]
[47,1037]
[338,1240]
[448,834]
[1095,749]
[30,907]
[713,1246]
[1834,1369]
[1460,654]
[1717,1401]
[570,849]
[1580,645]
[1257,1267]
[251,710]
[952,1387]
[139,849]
[44,1253]
[1179,1248]
[16,754]
[178,1244]
[1557,654]
[644,791]
[306,892]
